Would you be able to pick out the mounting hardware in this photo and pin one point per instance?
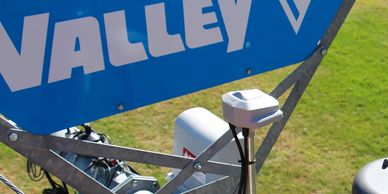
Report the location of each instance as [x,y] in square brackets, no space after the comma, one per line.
[324,52]
[248,71]
[155,185]
[135,183]
[248,44]
[13,137]
[198,166]
[120,107]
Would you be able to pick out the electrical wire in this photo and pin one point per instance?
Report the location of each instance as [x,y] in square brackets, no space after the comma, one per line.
[65,187]
[240,150]
[99,163]
[108,166]
[56,188]
[104,138]
[34,172]
[126,165]
[108,172]
[242,184]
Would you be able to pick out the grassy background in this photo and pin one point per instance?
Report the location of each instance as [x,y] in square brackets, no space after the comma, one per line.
[340,124]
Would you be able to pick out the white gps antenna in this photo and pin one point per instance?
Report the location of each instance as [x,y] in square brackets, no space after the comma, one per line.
[249,110]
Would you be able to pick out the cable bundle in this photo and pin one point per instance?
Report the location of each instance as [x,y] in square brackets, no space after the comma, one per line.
[244,158]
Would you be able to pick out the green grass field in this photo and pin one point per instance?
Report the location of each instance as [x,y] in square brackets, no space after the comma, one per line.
[340,124]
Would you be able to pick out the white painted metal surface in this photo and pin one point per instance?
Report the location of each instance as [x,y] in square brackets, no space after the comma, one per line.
[195,130]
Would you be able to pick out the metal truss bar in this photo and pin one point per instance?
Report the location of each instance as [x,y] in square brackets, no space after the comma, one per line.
[200,160]
[290,80]
[86,148]
[301,83]
[49,160]
[336,24]
[222,185]
[277,128]
[220,168]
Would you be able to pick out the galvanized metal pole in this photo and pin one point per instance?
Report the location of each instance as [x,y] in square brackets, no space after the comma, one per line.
[251,187]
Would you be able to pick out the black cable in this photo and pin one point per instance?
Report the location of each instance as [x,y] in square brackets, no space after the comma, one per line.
[109,175]
[88,129]
[51,181]
[108,166]
[76,134]
[104,138]
[68,133]
[110,180]
[131,169]
[65,187]
[242,158]
[36,174]
[108,172]
[240,150]
[33,172]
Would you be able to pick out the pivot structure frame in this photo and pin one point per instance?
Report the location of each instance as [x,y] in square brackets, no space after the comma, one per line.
[42,150]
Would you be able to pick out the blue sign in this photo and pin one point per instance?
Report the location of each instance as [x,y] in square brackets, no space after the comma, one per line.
[66,62]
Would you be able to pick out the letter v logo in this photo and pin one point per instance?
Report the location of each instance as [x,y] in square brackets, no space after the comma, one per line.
[296,11]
